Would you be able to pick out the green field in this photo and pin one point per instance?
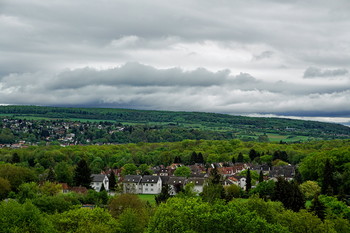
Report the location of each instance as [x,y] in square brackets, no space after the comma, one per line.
[148,197]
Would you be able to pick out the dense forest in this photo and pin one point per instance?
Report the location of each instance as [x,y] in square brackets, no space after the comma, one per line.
[316,201]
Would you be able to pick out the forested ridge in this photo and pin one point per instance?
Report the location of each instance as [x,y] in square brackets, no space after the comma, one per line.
[99,125]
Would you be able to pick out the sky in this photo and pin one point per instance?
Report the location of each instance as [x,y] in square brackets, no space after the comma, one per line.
[248,57]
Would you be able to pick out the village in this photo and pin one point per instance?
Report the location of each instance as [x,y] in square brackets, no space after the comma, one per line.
[153,183]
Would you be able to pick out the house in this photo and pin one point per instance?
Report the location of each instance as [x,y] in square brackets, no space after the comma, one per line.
[131,184]
[99,180]
[151,184]
[198,183]
[175,183]
[241,181]
[65,187]
[287,172]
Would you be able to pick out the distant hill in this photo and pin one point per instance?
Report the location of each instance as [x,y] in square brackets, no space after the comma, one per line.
[242,127]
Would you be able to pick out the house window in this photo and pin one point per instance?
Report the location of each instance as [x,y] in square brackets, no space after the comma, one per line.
[151,184]
[151,189]
[146,189]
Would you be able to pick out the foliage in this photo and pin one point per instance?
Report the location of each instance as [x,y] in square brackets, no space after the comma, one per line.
[232,191]
[183,171]
[164,195]
[310,189]
[16,175]
[16,217]
[194,215]
[5,188]
[129,169]
[289,194]
[84,220]
[264,189]
[82,174]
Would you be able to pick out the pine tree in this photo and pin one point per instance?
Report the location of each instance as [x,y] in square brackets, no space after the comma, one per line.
[297,177]
[82,174]
[112,181]
[240,158]
[164,195]
[261,177]
[318,208]
[15,158]
[51,176]
[200,158]
[252,154]
[248,185]
[327,178]
[233,160]
[193,158]
[289,194]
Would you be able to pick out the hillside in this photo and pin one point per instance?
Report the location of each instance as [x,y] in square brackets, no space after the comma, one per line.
[176,126]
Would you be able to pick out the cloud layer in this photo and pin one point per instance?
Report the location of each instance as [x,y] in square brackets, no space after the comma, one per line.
[238,57]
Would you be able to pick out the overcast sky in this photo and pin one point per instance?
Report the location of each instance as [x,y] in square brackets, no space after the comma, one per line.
[257,57]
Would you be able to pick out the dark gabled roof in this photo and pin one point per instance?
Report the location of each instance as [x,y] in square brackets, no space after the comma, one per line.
[176,180]
[132,179]
[150,179]
[196,180]
[164,179]
[98,177]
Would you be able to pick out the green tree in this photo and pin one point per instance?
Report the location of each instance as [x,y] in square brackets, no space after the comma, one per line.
[16,217]
[82,174]
[248,185]
[5,188]
[51,176]
[129,169]
[84,220]
[289,194]
[164,195]
[264,189]
[16,175]
[15,158]
[112,181]
[240,158]
[64,173]
[183,171]
[232,191]
[310,189]
[261,177]
[327,181]
[318,208]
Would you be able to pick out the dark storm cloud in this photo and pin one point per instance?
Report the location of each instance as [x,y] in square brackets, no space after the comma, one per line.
[227,54]
[313,72]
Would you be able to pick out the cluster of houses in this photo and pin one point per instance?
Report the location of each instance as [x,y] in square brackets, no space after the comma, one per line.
[152,184]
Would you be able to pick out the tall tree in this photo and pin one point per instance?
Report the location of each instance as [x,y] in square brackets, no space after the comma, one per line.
[51,176]
[261,177]
[289,194]
[164,195]
[252,154]
[240,158]
[193,158]
[327,182]
[112,181]
[318,208]
[82,174]
[15,158]
[200,158]
[233,160]
[248,181]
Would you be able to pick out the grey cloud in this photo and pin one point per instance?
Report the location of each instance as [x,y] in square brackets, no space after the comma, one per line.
[313,72]
[263,55]
[145,87]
